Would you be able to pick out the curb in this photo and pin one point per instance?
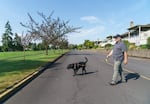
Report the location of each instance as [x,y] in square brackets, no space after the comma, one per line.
[11,90]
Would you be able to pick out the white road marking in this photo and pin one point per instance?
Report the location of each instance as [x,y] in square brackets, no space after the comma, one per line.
[142,76]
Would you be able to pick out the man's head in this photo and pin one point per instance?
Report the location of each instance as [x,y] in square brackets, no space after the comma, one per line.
[117,38]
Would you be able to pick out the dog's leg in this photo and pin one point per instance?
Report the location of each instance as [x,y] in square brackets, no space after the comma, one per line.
[74,72]
[74,69]
[84,69]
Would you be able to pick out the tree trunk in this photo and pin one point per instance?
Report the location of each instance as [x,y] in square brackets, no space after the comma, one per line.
[24,53]
[46,49]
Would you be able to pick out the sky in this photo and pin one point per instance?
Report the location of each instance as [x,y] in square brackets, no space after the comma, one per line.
[98,18]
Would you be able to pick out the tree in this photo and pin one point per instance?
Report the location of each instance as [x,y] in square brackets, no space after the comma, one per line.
[61,43]
[73,46]
[40,46]
[0,48]
[148,43]
[64,44]
[49,30]
[88,44]
[7,41]
[80,46]
[25,40]
[17,43]
[34,46]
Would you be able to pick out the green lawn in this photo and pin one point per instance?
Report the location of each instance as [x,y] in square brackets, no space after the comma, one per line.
[13,67]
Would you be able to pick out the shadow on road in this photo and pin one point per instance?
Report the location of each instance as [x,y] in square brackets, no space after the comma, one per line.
[134,76]
[25,83]
[53,65]
[129,76]
[87,73]
[77,54]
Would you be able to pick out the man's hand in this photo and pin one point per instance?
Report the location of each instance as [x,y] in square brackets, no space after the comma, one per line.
[125,62]
[125,58]
[107,56]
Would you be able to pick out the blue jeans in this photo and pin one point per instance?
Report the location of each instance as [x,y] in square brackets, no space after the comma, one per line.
[118,70]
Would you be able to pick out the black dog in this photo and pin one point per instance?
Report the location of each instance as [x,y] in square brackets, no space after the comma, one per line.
[77,66]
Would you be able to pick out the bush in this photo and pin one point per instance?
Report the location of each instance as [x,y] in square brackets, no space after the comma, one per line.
[96,46]
[148,43]
[127,43]
[144,46]
[132,46]
[108,46]
[0,48]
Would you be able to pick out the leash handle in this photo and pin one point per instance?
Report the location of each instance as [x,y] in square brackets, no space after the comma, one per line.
[106,59]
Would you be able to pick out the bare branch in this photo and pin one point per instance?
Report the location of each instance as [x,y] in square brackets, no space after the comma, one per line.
[50,30]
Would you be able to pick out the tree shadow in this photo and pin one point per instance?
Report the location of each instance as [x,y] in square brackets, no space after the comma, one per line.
[21,65]
[41,70]
[77,54]
[52,65]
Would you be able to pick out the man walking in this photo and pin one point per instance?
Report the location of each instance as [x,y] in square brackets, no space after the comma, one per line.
[119,53]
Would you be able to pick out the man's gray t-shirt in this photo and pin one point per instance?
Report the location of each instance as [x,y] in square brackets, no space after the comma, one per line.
[118,51]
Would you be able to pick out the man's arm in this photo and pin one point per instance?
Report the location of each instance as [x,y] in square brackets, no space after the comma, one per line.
[125,58]
[110,53]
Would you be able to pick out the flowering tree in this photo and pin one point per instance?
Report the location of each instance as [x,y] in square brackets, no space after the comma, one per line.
[49,29]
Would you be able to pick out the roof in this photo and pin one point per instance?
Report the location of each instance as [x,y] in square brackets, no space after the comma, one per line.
[137,26]
[124,34]
[109,37]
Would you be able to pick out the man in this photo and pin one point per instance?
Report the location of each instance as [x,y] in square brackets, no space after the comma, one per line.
[119,53]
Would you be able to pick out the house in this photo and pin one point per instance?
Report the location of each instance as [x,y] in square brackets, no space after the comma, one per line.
[137,34]
[103,43]
[108,40]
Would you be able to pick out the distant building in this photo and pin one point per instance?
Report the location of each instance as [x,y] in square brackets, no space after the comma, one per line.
[108,40]
[98,42]
[137,34]
[103,43]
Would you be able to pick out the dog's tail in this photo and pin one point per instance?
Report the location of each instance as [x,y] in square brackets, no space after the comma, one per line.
[86,59]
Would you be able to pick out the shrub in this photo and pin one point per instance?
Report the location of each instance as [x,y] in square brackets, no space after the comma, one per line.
[148,43]
[0,48]
[108,46]
[144,46]
[127,43]
[132,46]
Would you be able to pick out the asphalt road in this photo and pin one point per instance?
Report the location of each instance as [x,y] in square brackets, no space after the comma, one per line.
[56,85]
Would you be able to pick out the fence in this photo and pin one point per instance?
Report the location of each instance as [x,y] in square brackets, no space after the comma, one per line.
[139,53]
[136,53]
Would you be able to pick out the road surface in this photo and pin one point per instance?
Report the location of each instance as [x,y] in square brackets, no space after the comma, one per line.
[56,85]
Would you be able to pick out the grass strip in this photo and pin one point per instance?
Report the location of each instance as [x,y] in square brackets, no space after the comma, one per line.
[13,69]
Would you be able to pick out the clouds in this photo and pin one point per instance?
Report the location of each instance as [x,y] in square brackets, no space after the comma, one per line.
[88,33]
[95,29]
[92,34]
[90,19]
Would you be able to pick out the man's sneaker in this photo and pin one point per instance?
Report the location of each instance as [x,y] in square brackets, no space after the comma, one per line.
[124,81]
[112,83]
